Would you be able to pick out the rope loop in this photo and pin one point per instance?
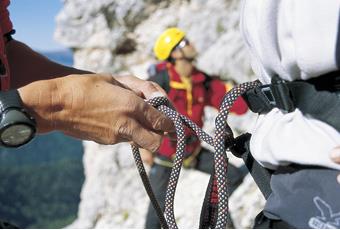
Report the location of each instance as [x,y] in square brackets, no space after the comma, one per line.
[221,141]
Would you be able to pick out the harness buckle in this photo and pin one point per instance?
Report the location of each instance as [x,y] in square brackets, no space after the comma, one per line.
[267,93]
[264,98]
[282,95]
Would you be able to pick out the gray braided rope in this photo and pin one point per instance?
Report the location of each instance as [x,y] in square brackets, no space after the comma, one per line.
[176,169]
[223,137]
[147,186]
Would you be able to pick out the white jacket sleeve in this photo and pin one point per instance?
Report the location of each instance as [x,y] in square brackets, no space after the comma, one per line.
[295,39]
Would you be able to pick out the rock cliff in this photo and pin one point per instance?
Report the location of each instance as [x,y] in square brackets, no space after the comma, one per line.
[117,36]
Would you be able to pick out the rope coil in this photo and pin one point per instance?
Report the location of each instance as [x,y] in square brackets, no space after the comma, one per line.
[223,139]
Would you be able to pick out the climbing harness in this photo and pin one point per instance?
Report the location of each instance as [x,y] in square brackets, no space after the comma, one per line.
[222,141]
[318,97]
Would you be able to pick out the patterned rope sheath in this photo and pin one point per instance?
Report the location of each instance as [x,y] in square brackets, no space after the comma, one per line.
[222,140]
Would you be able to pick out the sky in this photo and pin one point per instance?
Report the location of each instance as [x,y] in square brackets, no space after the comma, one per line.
[34,22]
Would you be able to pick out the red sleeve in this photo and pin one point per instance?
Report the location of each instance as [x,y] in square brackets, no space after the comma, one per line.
[5,21]
[216,92]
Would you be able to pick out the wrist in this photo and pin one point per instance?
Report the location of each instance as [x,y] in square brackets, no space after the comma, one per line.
[42,101]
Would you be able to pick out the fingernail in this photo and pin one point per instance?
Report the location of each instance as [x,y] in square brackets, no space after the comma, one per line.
[156,94]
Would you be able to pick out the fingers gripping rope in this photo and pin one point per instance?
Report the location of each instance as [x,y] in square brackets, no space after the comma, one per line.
[223,137]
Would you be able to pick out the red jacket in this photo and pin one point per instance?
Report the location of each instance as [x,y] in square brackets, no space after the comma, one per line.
[203,93]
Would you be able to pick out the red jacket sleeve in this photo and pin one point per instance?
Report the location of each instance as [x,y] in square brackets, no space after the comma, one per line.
[216,92]
[5,22]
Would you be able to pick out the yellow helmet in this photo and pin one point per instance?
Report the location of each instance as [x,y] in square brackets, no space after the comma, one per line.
[166,42]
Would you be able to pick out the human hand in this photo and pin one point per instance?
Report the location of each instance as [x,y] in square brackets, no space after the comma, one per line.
[95,107]
[335,156]
[144,89]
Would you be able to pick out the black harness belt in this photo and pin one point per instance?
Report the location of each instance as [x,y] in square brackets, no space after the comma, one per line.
[322,103]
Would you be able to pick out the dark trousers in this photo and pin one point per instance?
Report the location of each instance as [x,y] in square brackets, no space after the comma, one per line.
[159,177]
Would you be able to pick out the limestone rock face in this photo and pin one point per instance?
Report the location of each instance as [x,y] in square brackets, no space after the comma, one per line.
[117,36]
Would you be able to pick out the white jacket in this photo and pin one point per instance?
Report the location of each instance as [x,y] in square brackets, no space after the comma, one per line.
[295,39]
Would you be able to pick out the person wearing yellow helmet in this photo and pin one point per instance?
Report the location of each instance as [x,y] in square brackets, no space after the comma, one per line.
[167,41]
[189,90]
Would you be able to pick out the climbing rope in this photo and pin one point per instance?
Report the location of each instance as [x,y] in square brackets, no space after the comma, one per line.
[223,139]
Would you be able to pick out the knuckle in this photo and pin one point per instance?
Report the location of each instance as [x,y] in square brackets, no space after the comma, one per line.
[158,123]
[144,107]
[155,85]
[149,86]
[108,137]
[131,104]
[124,130]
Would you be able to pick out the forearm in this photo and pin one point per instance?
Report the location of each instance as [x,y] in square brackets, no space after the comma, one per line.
[27,65]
